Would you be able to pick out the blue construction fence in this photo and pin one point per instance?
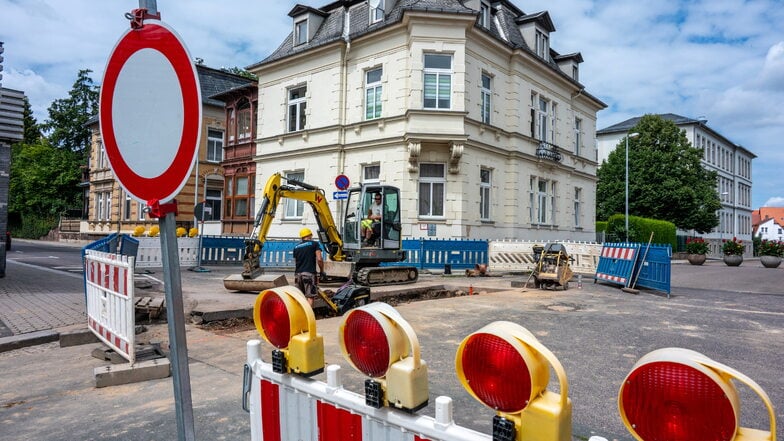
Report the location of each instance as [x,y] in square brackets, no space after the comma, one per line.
[636,264]
[421,253]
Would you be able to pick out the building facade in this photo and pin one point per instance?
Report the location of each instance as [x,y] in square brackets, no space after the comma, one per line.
[731,162]
[768,223]
[239,168]
[111,209]
[463,105]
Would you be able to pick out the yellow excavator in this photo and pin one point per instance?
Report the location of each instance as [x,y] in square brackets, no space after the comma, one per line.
[350,255]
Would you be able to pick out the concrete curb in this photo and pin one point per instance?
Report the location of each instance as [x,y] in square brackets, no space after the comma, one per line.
[29,339]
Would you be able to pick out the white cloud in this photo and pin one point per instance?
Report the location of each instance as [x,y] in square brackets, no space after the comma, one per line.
[776,201]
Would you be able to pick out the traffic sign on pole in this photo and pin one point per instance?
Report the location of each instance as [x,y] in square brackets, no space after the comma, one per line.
[342,182]
[150,112]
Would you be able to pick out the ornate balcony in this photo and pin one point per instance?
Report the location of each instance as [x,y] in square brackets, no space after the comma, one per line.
[548,151]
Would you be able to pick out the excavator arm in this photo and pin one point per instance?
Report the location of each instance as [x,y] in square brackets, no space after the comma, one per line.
[275,191]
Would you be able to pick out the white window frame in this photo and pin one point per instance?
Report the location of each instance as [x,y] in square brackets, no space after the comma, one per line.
[578,194]
[299,105]
[214,145]
[127,207]
[377,14]
[294,209]
[301,32]
[487,96]
[441,75]
[485,193]
[542,44]
[210,197]
[371,173]
[542,117]
[484,15]
[542,198]
[373,90]
[578,135]
[141,207]
[428,184]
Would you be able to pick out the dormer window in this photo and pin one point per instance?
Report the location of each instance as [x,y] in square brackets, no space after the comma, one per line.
[484,15]
[376,10]
[300,32]
[542,44]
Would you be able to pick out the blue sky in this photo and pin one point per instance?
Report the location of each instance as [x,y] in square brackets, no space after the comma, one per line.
[721,60]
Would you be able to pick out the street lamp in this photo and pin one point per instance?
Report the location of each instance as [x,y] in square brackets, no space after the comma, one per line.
[626,218]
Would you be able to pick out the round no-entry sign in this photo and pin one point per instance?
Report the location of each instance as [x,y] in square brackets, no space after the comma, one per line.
[150,112]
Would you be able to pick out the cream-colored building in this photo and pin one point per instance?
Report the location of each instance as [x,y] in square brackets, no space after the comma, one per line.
[730,161]
[487,131]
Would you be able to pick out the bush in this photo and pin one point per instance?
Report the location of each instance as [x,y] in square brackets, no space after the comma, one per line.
[640,230]
[696,245]
[32,227]
[771,248]
[733,247]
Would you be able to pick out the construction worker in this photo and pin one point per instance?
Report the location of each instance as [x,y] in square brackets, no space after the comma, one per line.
[308,264]
[371,222]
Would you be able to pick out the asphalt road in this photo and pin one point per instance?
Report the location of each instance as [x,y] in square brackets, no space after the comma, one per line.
[732,315]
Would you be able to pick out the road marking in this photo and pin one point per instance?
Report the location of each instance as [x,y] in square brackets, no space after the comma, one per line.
[42,268]
[73,269]
[727,309]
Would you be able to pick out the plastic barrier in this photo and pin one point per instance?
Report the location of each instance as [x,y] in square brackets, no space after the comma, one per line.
[291,407]
[506,255]
[617,262]
[110,300]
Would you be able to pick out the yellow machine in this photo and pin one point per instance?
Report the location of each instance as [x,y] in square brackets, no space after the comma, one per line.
[552,266]
[349,257]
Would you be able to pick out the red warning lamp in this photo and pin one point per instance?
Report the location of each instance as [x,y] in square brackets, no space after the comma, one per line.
[506,368]
[677,394]
[285,320]
[378,342]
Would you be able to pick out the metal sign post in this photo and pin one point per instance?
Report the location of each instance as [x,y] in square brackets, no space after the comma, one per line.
[198,210]
[176,323]
[150,76]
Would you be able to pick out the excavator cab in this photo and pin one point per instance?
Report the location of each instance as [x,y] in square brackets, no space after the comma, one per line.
[359,231]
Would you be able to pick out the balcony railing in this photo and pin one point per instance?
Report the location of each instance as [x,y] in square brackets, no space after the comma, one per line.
[548,151]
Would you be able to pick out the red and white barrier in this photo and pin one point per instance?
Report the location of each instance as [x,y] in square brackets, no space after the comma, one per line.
[291,407]
[110,300]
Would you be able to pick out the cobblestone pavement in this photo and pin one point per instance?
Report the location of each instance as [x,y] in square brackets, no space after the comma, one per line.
[36,299]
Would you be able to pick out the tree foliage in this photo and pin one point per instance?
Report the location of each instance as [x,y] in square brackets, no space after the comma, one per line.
[32,130]
[666,178]
[66,127]
[46,165]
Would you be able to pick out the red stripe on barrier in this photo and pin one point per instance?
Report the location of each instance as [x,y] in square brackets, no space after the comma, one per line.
[116,279]
[270,411]
[337,424]
[419,438]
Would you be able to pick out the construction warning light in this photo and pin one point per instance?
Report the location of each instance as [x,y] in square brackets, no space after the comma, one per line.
[285,319]
[678,395]
[506,368]
[378,342]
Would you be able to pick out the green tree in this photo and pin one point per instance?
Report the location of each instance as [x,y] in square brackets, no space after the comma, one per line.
[666,178]
[32,130]
[241,72]
[66,127]
[43,184]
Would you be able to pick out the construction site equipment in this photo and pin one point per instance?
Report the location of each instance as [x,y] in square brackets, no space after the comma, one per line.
[349,255]
[552,266]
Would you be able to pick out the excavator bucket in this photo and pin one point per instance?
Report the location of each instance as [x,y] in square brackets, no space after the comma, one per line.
[236,282]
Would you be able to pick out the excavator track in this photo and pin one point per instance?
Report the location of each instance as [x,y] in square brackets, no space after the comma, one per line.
[386,275]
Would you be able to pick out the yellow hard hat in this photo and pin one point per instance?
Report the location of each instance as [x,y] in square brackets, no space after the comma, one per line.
[305,232]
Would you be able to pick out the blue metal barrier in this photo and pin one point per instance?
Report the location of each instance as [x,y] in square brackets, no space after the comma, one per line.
[129,246]
[216,250]
[654,272]
[436,253]
[422,253]
[616,263]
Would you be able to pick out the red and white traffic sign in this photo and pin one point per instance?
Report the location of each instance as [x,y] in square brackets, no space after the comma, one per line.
[150,112]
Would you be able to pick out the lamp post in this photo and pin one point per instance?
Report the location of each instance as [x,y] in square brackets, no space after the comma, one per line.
[626,218]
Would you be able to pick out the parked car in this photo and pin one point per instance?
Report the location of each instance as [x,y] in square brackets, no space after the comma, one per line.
[7,240]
